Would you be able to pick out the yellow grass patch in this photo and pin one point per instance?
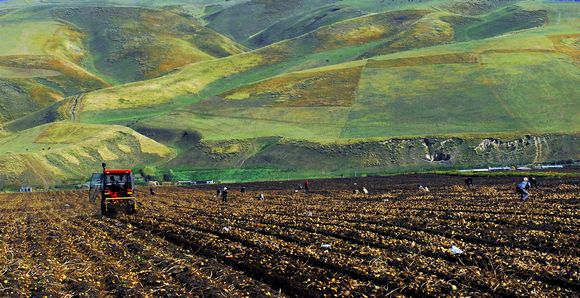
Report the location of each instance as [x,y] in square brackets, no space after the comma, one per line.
[227,149]
[56,64]
[26,38]
[22,154]
[327,88]
[12,164]
[82,153]
[188,80]
[568,44]
[106,153]
[124,148]
[151,147]
[427,32]
[44,96]
[70,158]
[364,29]
[42,168]
[66,133]
[67,43]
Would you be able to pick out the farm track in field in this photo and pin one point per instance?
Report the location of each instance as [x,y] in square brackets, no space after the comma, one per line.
[185,242]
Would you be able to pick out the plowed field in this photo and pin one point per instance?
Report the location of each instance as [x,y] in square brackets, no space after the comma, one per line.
[393,242]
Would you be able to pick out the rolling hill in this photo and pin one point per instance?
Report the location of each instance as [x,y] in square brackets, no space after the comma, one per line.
[328,87]
[52,52]
[53,153]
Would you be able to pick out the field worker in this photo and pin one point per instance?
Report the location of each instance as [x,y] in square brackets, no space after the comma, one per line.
[261,197]
[243,189]
[469,182]
[533,182]
[365,191]
[218,193]
[423,188]
[151,191]
[521,189]
[225,194]
[306,186]
[355,189]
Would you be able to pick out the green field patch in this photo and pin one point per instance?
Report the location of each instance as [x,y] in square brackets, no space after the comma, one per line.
[500,94]
[223,123]
[455,58]
[18,72]
[539,88]
[424,101]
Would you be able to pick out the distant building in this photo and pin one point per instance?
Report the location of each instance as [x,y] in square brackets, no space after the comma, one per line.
[25,189]
[474,170]
[190,183]
[543,167]
[492,169]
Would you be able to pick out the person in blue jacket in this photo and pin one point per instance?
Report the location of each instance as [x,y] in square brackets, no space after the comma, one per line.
[521,189]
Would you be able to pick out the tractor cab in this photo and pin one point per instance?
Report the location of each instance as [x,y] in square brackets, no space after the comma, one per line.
[118,183]
[117,190]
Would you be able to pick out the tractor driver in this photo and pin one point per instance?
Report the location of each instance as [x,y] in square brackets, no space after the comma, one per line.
[115,183]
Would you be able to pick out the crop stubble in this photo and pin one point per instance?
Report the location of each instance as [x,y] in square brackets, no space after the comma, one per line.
[185,242]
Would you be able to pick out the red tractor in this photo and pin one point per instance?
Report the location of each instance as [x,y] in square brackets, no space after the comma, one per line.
[117,191]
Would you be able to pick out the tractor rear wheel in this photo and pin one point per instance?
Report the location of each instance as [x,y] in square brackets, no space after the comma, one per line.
[104,211]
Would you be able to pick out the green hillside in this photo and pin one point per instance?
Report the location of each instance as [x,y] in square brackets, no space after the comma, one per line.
[328,87]
[258,23]
[455,88]
[130,44]
[48,53]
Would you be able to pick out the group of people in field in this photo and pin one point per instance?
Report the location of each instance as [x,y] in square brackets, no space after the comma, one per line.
[522,188]
[223,192]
